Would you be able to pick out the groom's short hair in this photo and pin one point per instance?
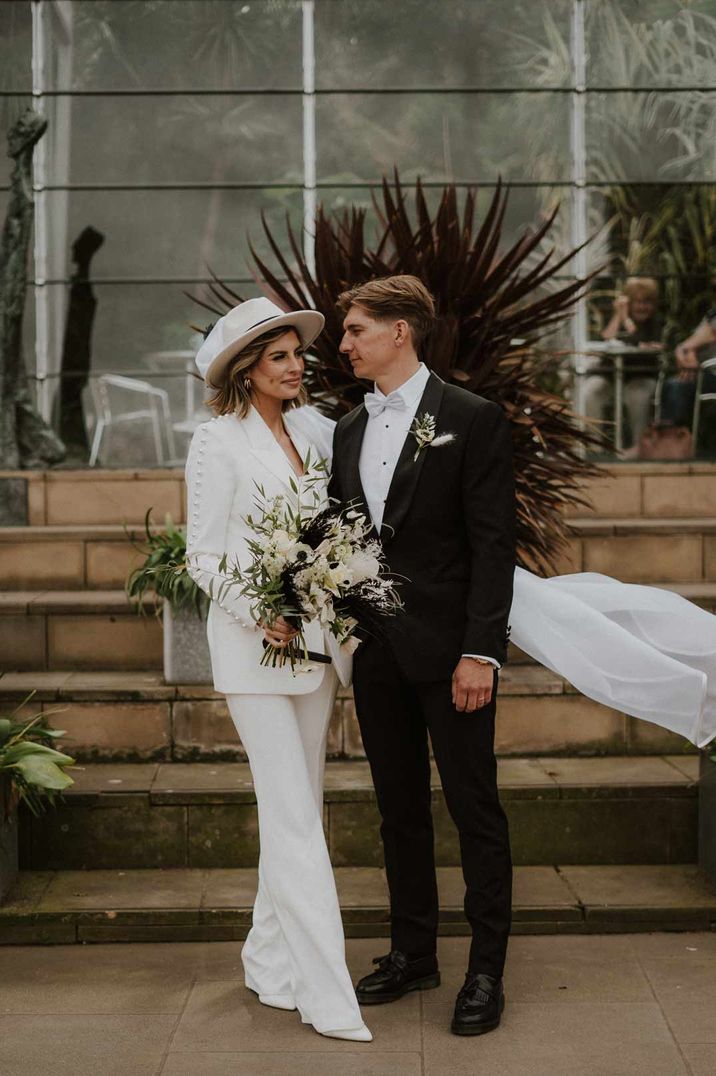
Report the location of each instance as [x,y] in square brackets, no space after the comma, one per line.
[394,297]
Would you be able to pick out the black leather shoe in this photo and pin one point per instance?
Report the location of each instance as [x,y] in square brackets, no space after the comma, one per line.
[396,976]
[479,1005]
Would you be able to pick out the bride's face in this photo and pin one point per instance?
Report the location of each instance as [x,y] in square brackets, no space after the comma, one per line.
[279,372]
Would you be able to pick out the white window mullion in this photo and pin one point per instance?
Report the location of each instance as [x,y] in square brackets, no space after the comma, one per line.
[39,184]
[309,135]
[579,192]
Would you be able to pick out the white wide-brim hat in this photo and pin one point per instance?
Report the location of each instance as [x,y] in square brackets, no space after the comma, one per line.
[243,324]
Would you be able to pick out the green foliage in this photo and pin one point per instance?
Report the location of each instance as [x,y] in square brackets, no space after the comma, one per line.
[31,770]
[164,572]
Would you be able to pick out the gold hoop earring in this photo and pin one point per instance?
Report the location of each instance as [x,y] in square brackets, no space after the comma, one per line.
[247,384]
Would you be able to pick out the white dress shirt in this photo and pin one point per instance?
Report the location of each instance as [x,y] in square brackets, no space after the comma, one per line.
[383,440]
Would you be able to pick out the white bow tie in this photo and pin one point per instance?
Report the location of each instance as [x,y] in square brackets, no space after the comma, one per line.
[376,405]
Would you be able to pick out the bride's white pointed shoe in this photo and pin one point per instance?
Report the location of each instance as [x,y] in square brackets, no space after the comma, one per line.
[356,1034]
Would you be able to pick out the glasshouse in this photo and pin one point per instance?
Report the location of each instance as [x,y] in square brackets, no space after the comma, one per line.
[358,537]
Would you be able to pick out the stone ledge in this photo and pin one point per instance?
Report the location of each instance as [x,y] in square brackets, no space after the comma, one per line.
[579,525]
[178,783]
[589,526]
[143,905]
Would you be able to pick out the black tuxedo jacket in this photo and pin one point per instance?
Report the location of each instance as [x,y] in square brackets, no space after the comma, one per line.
[448,530]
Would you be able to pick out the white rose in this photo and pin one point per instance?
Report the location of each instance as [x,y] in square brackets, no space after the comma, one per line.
[362,566]
[283,542]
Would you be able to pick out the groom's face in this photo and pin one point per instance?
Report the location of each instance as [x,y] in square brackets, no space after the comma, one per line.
[370,345]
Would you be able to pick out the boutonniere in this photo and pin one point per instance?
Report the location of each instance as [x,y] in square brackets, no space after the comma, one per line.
[423,430]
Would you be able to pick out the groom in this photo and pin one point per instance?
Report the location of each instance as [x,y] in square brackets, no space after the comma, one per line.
[431,464]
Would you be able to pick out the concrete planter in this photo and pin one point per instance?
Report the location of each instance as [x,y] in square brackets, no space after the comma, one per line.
[8,845]
[707,817]
[186,649]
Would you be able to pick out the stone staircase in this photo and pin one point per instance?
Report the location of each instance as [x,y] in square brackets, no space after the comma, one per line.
[158,836]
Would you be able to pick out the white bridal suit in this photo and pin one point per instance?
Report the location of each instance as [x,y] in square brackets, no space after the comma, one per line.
[294,956]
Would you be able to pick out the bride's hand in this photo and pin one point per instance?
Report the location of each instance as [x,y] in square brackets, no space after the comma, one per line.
[280,633]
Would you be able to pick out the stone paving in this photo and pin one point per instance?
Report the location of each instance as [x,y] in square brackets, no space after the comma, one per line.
[632,1005]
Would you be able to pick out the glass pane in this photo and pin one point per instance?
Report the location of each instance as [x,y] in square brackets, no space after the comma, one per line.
[184,139]
[654,43]
[667,233]
[175,44]
[175,234]
[16,46]
[640,136]
[408,43]
[462,137]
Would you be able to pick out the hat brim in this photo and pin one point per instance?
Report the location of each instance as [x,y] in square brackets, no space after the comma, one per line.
[307,323]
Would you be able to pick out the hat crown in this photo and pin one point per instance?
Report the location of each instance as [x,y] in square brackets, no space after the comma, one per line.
[247,316]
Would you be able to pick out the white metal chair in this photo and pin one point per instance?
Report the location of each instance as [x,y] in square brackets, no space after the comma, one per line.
[156,411]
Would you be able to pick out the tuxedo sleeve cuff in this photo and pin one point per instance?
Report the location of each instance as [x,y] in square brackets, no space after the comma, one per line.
[484,657]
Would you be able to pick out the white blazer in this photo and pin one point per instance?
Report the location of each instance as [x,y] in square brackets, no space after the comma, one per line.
[227,458]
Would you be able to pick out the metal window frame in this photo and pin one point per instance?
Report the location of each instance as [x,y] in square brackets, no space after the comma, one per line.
[61,11]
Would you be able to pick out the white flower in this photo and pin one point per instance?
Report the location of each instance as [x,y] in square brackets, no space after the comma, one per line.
[424,432]
[363,565]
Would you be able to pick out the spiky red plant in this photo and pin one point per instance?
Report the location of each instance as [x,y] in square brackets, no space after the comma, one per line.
[494,309]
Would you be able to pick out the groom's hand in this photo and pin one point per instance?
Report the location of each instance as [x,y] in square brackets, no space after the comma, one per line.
[471,685]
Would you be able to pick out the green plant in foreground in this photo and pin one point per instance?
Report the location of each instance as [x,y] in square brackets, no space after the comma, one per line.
[164,571]
[34,771]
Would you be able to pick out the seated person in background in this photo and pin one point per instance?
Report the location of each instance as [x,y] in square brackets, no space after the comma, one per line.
[679,393]
[635,323]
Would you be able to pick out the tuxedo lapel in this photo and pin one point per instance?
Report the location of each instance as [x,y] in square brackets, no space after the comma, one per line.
[407,470]
[349,463]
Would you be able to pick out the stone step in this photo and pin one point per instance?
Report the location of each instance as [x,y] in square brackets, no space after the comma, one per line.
[59,557]
[129,716]
[100,629]
[77,629]
[641,550]
[100,556]
[193,904]
[561,810]
[59,497]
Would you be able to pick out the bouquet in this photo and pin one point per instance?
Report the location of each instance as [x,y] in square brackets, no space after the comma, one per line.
[311,562]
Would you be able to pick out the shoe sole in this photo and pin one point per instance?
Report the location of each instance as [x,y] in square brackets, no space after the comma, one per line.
[479,1029]
[427,983]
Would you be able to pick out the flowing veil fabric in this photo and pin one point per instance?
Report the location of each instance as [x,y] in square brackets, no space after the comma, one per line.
[641,650]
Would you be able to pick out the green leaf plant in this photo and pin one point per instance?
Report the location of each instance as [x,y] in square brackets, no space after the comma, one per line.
[163,572]
[31,770]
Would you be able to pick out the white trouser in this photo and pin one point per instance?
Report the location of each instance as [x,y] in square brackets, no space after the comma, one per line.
[295,951]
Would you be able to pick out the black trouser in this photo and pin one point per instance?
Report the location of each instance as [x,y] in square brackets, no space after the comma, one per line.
[395,717]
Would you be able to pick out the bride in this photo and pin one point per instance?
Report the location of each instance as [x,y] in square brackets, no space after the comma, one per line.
[641,650]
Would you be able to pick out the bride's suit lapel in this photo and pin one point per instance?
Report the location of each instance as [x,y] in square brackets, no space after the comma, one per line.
[266,449]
